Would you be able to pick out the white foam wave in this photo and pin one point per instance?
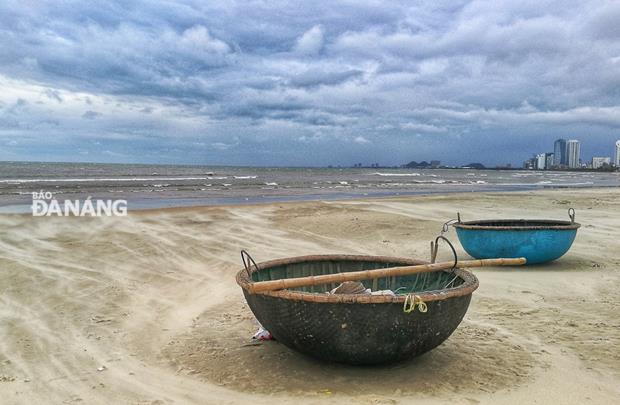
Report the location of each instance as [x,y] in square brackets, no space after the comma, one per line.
[107,179]
[394,174]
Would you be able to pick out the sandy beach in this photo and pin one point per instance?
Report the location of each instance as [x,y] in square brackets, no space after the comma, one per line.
[144,309]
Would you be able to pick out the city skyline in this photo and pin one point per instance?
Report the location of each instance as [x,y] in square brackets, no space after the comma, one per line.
[567,154]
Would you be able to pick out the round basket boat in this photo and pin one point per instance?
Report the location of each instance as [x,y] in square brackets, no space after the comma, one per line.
[539,241]
[359,328]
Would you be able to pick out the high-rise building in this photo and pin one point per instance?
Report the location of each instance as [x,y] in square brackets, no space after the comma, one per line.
[559,153]
[573,151]
[617,157]
[598,162]
[540,161]
[530,164]
[549,160]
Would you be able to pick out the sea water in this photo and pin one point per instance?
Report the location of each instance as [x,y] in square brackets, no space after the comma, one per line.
[157,186]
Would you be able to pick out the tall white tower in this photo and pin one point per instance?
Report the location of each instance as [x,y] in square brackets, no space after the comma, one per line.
[617,157]
[573,150]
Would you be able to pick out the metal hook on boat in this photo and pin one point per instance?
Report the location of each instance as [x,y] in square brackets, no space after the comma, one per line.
[247,261]
[446,227]
[435,248]
[571,214]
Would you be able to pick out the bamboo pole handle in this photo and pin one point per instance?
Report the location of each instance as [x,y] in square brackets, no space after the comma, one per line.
[281,284]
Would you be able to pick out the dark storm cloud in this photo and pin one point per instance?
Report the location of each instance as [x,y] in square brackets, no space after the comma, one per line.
[90,115]
[200,81]
[53,95]
[313,78]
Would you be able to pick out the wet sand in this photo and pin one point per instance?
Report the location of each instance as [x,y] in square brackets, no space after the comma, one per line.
[144,309]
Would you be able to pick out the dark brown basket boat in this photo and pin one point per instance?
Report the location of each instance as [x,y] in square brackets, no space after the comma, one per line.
[354,328]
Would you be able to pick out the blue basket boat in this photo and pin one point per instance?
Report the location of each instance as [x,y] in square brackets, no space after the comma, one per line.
[539,241]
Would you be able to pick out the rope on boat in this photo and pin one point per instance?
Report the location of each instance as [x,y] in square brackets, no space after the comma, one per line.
[411,300]
[450,283]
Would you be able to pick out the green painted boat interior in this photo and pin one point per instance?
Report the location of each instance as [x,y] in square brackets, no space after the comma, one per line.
[416,283]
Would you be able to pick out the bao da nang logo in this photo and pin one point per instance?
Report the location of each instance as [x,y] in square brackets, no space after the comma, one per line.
[45,204]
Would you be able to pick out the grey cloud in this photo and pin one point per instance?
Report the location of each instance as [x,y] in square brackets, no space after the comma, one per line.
[604,22]
[419,127]
[53,95]
[257,109]
[458,74]
[600,116]
[311,42]
[315,77]
[91,115]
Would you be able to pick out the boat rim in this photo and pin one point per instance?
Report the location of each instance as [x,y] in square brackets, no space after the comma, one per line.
[469,285]
[541,224]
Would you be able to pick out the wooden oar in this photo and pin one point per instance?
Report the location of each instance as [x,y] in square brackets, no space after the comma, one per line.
[284,283]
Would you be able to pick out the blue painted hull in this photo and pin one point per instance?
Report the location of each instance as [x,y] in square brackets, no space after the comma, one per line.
[536,245]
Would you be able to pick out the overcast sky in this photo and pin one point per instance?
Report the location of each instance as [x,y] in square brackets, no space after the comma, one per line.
[279,83]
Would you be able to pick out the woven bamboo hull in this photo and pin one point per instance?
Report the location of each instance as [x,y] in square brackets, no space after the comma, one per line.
[358,329]
[358,333]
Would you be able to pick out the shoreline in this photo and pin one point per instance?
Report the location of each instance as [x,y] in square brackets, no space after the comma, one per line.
[198,202]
